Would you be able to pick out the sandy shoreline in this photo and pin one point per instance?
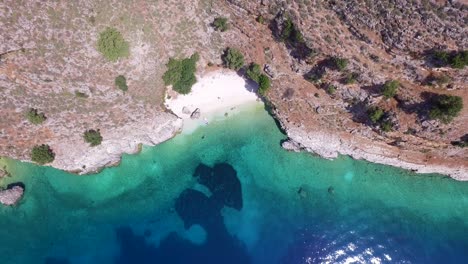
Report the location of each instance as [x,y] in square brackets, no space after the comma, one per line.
[215,95]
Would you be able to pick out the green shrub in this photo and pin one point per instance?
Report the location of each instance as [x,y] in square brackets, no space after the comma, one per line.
[121,83]
[93,137]
[351,78]
[291,33]
[254,71]
[390,89]
[386,126]
[80,94]
[457,60]
[181,73]
[340,63]
[263,84]
[260,19]
[331,89]
[112,44]
[233,59]
[446,107]
[35,117]
[42,154]
[375,114]
[221,24]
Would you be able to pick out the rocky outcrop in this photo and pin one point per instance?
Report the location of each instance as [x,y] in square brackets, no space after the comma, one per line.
[11,195]
[329,145]
[79,158]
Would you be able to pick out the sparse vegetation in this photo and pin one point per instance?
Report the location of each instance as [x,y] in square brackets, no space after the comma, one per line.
[351,78]
[121,83]
[291,33]
[233,59]
[379,117]
[331,89]
[390,88]
[42,154]
[340,63]
[80,94]
[375,114]
[112,44]
[457,60]
[35,117]
[446,107]
[260,19]
[221,24]
[93,137]
[181,74]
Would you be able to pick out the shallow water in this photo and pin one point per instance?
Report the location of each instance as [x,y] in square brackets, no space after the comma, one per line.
[228,193]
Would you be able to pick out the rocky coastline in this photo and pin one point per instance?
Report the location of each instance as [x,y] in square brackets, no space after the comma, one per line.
[77,157]
[331,145]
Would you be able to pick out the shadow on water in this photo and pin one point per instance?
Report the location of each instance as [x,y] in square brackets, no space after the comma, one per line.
[194,207]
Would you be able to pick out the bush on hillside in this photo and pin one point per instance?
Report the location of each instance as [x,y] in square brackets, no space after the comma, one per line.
[121,83]
[112,44]
[263,84]
[35,117]
[93,137]
[456,59]
[446,107]
[233,59]
[221,24]
[42,154]
[390,89]
[375,114]
[340,63]
[181,74]
[254,71]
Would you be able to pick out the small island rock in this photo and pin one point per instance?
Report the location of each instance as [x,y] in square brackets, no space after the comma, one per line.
[11,195]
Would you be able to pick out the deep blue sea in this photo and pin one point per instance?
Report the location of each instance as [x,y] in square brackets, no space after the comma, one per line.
[228,193]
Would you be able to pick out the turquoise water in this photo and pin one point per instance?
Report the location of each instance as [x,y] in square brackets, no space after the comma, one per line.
[228,193]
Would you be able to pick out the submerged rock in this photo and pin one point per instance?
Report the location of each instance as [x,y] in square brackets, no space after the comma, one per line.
[12,194]
[196,114]
[186,110]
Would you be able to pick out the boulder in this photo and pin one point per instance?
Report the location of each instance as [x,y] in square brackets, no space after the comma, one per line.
[196,114]
[186,110]
[12,194]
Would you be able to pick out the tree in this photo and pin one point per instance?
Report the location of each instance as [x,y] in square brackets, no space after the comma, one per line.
[42,154]
[446,107]
[121,83]
[233,59]
[181,74]
[35,117]
[263,84]
[221,24]
[390,89]
[254,71]
[93,137]
[112,44]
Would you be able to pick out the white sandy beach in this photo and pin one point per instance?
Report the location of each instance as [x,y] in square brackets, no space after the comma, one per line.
[215,94]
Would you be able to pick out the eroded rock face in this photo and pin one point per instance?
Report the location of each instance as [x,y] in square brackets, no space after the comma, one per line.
[11,195]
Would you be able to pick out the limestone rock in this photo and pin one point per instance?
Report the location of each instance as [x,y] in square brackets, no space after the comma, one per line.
[186,110]
[196,114]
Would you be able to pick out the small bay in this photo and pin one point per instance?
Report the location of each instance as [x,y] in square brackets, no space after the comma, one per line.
[228,193]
